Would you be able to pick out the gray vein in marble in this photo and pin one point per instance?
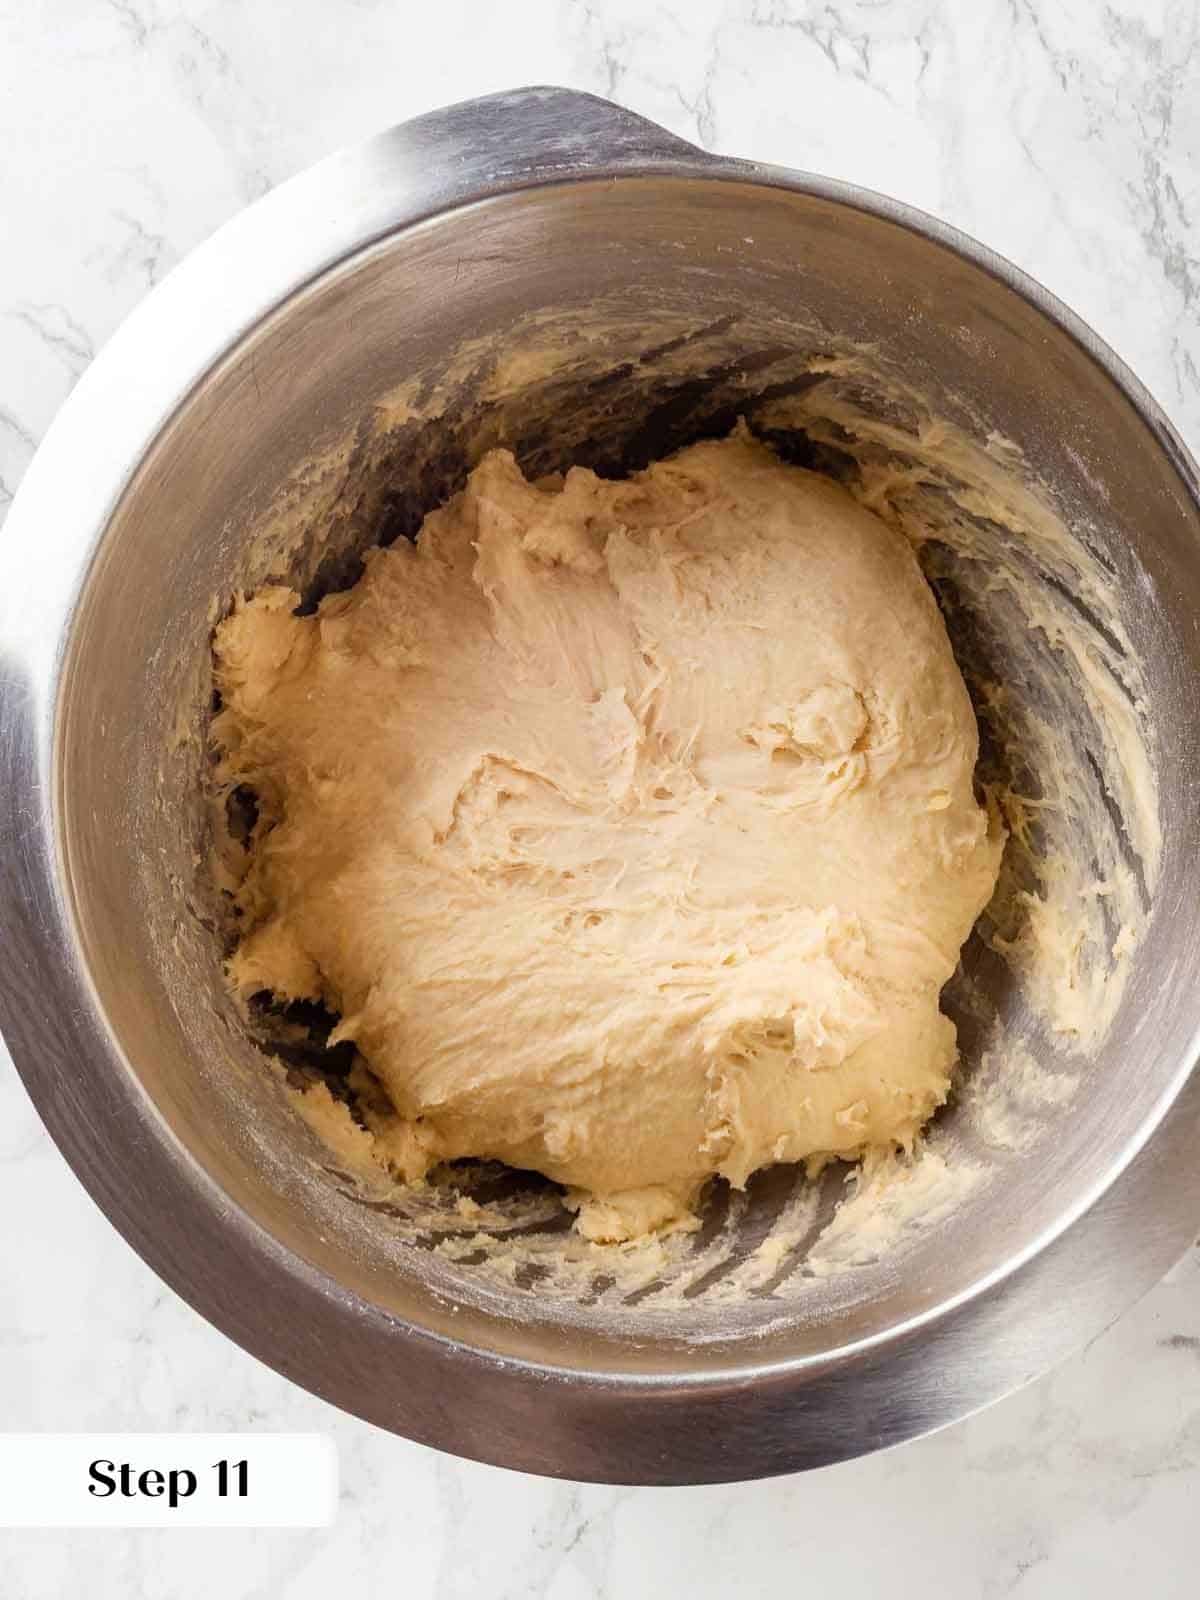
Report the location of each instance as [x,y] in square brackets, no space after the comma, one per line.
[58,330]
[1009,1578]
[131,20]
[613,48]
[848,50]
[1181,1341]
[700,107]
[1024,11]
[1169,233]
[145,252]
[17,445]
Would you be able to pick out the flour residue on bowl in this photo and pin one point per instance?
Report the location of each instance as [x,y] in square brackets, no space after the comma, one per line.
[1067,756]
[1036,620]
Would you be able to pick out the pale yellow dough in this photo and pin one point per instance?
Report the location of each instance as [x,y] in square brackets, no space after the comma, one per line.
[628,826]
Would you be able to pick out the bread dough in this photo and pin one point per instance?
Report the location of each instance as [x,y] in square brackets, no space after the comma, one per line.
[629,827]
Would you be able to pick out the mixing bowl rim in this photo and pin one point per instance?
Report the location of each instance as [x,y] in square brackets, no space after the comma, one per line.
[38,883]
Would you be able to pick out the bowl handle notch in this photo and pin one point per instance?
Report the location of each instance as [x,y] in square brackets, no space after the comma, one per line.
[528,136]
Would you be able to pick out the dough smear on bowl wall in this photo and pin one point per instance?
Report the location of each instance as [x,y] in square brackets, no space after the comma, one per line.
[544,274]
[628,828]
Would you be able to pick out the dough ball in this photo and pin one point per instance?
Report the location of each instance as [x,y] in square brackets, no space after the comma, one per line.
[628,827]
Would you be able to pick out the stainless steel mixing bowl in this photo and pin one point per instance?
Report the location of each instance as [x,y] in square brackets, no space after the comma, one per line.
[340,349]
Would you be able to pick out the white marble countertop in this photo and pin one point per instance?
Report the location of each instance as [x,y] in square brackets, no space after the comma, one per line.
[1064,133]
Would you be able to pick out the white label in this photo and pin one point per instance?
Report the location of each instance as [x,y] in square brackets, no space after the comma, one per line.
[167,1480]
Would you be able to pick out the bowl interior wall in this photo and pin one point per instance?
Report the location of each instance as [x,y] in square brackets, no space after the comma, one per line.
[605,323]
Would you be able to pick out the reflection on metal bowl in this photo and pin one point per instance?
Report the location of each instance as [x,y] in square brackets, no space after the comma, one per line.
[546,271]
